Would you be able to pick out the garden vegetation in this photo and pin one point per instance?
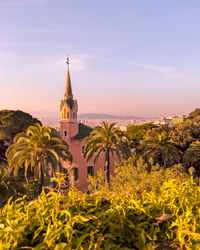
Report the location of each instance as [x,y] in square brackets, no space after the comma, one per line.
[152,202]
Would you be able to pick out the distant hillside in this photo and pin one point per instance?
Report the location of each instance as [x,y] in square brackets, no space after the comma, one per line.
[108,116]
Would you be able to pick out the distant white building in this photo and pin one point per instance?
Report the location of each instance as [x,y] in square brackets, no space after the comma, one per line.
[123,128]
[163,121]
[180,119]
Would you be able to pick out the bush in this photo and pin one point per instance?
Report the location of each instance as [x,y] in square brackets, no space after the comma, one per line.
[105,219]
[136,177]
[15,187]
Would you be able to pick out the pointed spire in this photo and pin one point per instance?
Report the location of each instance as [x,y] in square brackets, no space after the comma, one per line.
[68,90]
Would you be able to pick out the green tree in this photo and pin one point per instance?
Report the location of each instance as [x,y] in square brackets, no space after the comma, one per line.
[10,186]
[136,133]
[3,148]
[161,128]
[185,133]
[11,123]
[14,122]
[182,135]
[192,157]
[107,140]
[134,176]
[195,115]
[37,150]
[160,147]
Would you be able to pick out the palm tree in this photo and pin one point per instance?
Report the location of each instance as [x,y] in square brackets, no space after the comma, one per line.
[106,139]
[161,148]
[40,150]
[192,156]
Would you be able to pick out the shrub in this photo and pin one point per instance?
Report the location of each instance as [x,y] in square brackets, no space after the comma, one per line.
[105,219]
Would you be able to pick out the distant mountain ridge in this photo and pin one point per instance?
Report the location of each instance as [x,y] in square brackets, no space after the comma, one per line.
[108,116]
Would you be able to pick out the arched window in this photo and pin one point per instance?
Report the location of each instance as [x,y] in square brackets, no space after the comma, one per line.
[75,173]
[64,113]
[65,133]
[90,171]
[82,148]
[67,115]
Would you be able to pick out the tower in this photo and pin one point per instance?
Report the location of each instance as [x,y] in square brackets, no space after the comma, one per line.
[74,133]
[68,110]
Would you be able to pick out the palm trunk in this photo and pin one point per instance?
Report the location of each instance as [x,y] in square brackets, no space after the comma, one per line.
[26,178]
[107,166]
[41,184]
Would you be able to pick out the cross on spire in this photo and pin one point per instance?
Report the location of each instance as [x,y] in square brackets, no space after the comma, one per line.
[67,62]
[68,89]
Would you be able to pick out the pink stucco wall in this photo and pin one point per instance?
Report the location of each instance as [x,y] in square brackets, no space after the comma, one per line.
[78,160]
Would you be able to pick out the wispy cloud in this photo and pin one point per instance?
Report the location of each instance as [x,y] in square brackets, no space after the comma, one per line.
[10,3]
[162,69]
[78,62]
[166,70]
[44,63]
[70,31]
[25,30]
[16,44]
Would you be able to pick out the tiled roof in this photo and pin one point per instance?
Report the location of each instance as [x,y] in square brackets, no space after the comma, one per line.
[84,131]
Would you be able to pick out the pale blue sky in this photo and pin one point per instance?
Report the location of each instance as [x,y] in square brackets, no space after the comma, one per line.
[137,57]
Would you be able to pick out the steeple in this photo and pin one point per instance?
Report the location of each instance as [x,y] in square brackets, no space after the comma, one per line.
[68,89]
[68,106]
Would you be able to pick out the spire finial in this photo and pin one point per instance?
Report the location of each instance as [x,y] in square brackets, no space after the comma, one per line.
[68,90]
[67,62]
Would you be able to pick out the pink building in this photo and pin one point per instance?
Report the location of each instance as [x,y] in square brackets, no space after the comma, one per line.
[73,132]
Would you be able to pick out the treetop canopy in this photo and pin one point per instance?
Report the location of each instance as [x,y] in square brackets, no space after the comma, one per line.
[13,122]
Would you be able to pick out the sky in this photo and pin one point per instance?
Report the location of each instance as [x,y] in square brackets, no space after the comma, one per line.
[128,57]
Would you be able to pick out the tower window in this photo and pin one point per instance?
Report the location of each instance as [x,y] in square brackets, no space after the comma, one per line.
[90,171]
[74,115]
[67,115]
[82,149]
[65,133]
[64,113]
[75,173]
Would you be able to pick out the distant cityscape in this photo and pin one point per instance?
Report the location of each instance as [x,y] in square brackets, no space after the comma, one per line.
[122,122]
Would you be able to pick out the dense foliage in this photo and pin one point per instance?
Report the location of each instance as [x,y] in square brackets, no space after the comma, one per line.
[14,122]
[136,176]
[185,133]
[11,123]
[105,219]
[168,145]
[195,115]
[136,133]
[15,187]
[192,156]
[161,148]
[153,202]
